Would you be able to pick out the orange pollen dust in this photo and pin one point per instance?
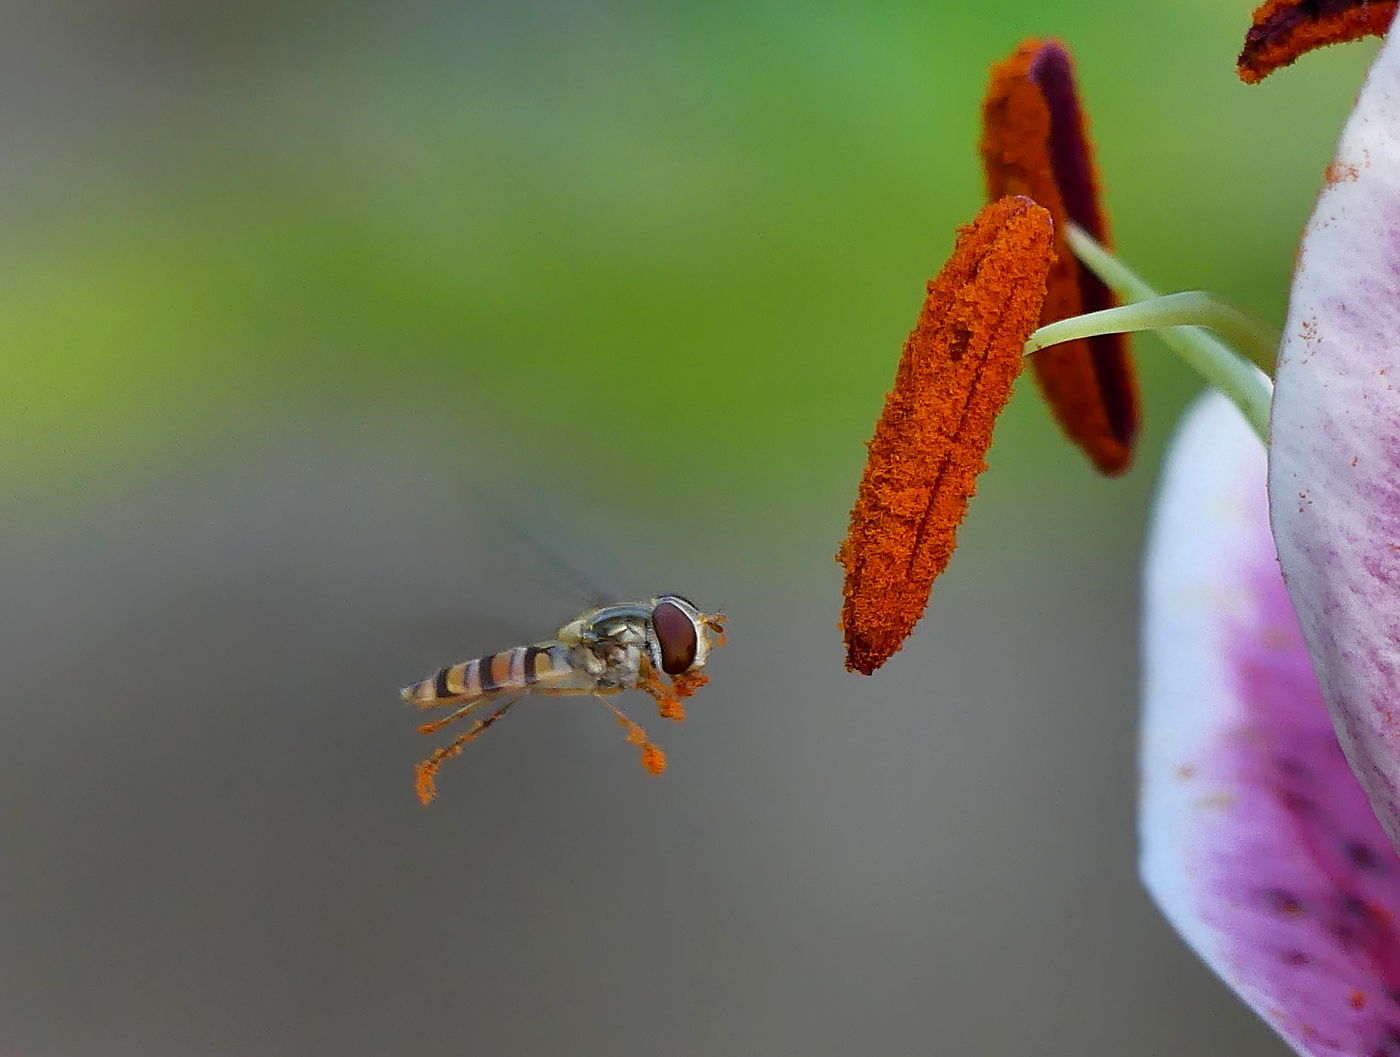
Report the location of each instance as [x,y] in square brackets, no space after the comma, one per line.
[426,772]
[954,378]
[653,759]
[1283,30]
[1035,142]
[670,700]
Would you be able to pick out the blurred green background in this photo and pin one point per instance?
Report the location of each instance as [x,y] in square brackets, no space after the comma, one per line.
[700,227]
[307,307]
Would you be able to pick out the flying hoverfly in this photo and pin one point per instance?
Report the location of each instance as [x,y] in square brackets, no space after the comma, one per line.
[608,649]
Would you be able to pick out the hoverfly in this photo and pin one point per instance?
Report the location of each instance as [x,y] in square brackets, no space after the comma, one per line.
[608,649]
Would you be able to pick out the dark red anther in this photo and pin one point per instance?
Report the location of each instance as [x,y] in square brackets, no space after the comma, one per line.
[1285,29]
[1035,143]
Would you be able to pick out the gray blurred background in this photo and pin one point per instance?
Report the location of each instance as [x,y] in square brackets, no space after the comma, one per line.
[313,315]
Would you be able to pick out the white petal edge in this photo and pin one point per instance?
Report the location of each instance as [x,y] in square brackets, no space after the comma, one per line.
[1209,527]
[1334,474]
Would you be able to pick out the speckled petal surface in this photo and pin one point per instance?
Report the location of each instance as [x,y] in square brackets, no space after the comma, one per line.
[1334,462]
[1258,842]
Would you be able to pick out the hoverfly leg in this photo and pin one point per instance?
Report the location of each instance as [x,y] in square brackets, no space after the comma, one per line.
[668,698]
[427,770]
[466,710]
[653,759]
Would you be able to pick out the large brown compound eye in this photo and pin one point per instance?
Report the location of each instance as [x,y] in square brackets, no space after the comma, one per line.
[675,634]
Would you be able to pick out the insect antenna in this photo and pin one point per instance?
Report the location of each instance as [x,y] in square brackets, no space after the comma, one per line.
[427,770]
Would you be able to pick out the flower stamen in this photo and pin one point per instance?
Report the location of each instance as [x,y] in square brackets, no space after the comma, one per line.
[1284,30]
[954,378]
[1238,378]
[1035,142]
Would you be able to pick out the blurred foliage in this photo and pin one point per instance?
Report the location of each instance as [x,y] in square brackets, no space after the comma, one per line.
[669,251]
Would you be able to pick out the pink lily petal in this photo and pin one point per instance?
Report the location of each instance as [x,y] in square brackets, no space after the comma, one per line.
[1258,842]
[1334,456]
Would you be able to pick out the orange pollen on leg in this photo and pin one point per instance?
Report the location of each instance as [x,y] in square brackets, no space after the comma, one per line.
[670,699]
[436,725]
[672,707]
[671,704]
[1284,30]
[653,759]
[426,772]
[1035,142]
[954,378]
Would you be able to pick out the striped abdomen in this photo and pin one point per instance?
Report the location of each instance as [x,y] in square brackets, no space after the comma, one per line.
[525,669]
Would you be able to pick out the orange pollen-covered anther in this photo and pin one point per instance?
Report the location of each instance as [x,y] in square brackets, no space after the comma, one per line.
[1283,30]
[1035,142]
[954,378]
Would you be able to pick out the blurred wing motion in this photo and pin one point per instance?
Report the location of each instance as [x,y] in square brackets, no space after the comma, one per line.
[624,646]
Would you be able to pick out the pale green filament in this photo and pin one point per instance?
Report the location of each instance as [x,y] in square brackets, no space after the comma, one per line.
[1194,307]
[1178,320]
